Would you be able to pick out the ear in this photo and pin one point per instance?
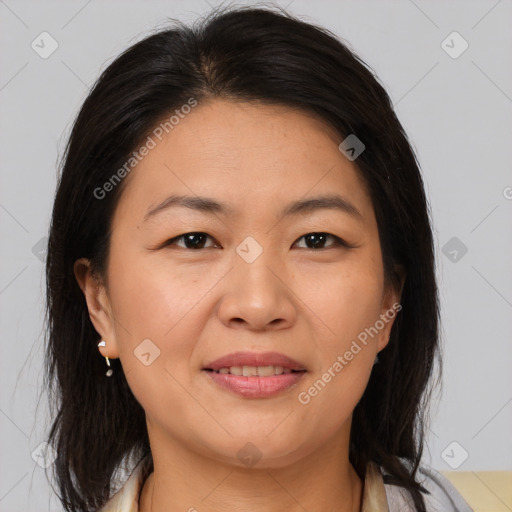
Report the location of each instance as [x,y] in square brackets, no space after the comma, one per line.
[391,305]
[98,304]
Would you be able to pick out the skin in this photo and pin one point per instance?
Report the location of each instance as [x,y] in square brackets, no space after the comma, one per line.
[196,305]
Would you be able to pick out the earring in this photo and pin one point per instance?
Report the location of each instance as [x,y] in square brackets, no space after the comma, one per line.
[102,343]
[376,360]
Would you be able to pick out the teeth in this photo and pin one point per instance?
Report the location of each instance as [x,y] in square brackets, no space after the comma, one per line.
[266,371]
[250,371]
[247,371]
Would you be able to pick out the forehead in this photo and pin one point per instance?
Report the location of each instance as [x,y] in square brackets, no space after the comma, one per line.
[247,155]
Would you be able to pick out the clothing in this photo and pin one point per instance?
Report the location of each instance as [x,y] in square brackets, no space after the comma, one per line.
[377,496]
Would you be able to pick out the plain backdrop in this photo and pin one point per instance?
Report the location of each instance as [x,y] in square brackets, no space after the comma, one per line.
[455,104]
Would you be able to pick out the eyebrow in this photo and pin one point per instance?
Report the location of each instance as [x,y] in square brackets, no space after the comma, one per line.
[301,207]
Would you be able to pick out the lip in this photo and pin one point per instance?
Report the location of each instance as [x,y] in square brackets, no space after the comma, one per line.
[255,387]
[255,359]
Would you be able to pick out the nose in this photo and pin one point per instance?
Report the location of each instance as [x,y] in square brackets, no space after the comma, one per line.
[258,295]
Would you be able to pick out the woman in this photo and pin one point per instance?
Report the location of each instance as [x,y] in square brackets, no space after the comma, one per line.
[242,303]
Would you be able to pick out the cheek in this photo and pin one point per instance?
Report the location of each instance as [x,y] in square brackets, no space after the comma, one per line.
[343,300]
[345,304]
[152,297]
[156,338]
[144,304]
[163,303]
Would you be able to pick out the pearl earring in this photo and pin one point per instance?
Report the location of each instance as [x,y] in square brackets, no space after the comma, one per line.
[102,343]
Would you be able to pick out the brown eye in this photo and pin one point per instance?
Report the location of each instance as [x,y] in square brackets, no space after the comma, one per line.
[318,240]
[195,240]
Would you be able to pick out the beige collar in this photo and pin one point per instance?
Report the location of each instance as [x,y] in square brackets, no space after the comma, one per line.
[374,492]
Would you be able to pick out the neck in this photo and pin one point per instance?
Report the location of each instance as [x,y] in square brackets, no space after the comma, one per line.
[186,481]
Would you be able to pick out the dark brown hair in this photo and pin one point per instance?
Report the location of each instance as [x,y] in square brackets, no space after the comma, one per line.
[247,54]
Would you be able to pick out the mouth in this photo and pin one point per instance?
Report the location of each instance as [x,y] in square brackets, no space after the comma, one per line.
[253,375]
[254,371]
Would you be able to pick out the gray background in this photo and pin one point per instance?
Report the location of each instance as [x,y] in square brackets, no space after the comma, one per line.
[457,112]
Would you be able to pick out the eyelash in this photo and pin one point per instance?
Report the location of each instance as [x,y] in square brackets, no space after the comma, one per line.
[338,242]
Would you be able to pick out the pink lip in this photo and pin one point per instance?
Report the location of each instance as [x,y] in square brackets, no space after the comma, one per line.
[254,359]
[256,387]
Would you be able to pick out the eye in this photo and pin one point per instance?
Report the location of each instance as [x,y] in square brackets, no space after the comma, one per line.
[194,240]
[317,241]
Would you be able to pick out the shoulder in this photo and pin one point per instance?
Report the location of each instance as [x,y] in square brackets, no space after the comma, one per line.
[443,496]
[126,499]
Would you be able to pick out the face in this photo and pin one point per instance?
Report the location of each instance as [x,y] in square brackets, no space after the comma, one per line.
[247,277]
